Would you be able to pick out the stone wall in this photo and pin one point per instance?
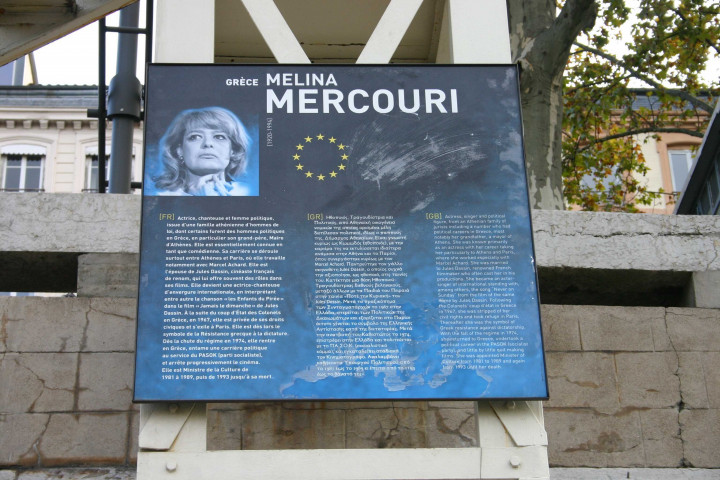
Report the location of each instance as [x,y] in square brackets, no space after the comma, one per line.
[582,257]
[633,387]
[66,369]
[629,386]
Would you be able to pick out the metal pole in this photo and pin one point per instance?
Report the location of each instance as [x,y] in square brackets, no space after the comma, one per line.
[148,31]
[18,71]
[102,113]
[124,103]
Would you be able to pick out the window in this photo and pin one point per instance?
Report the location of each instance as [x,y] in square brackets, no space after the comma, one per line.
[91,172]
[91,168]
[591,182]
[23,168]
[680,164]
[708,203]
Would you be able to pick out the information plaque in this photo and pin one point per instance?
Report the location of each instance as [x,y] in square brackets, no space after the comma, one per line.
[336,232]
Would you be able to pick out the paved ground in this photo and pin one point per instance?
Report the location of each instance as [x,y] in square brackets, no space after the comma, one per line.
[633,474]
[555,474]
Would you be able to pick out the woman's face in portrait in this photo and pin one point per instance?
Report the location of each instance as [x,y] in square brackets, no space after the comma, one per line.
[205,151]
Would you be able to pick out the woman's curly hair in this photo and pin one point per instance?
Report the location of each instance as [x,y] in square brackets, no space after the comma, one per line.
[217,118]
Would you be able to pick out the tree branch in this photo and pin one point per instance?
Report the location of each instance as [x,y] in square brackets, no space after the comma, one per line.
[638,131]
[635,73]
[576,16]
[684,19]
[552,46]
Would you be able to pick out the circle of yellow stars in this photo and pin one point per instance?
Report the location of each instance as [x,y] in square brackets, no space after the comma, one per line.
[303,169]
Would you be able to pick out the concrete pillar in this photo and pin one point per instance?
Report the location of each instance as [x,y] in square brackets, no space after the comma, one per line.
[474,32]
[185,32]
[703,290]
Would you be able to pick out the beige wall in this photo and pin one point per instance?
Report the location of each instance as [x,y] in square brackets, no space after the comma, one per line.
[659,177]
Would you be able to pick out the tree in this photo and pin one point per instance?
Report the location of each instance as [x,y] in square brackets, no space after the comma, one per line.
[541,42]
[672,41]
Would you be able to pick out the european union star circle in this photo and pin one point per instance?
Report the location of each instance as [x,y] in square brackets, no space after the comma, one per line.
[313,154]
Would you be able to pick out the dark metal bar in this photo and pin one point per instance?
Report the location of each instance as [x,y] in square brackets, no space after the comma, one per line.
[121,29]
[102,114]
[148,32]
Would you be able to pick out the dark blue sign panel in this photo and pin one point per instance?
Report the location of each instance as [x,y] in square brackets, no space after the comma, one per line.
[336,232]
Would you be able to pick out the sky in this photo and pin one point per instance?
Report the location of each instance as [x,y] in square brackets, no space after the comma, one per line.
[73,59]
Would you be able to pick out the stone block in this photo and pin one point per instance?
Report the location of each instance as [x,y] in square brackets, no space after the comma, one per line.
[105,381]
[584,438]
[19,434]
[459,404]
[274,427]
[79,473]
[133,447]
[648,380]
[42,222]
[621,329]
[654,242]
[661,437]
[693,381]
[332,405]
[582,379]
[225,428]
[386,428]
[43,233]
[232,406]
[52,222]
[560,327]
[450,426]
[694,330]
[633,473]
[7,475]
[710,368]
[108,275]
[37,382]
[111,325]
[701,437]
[90,438]
[42,324]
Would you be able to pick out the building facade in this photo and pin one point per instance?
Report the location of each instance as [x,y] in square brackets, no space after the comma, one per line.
[48,143]
[701,195]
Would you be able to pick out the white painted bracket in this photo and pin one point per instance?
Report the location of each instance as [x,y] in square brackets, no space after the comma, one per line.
[172,442]
[524,427]
[389,31]
[515,463]
[276,32]
[512,440]
[161,424]
[335,464]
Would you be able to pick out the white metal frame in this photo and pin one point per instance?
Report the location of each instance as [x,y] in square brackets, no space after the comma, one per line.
[512,442]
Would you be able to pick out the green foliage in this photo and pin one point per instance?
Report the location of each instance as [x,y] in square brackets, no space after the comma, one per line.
[670,44]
